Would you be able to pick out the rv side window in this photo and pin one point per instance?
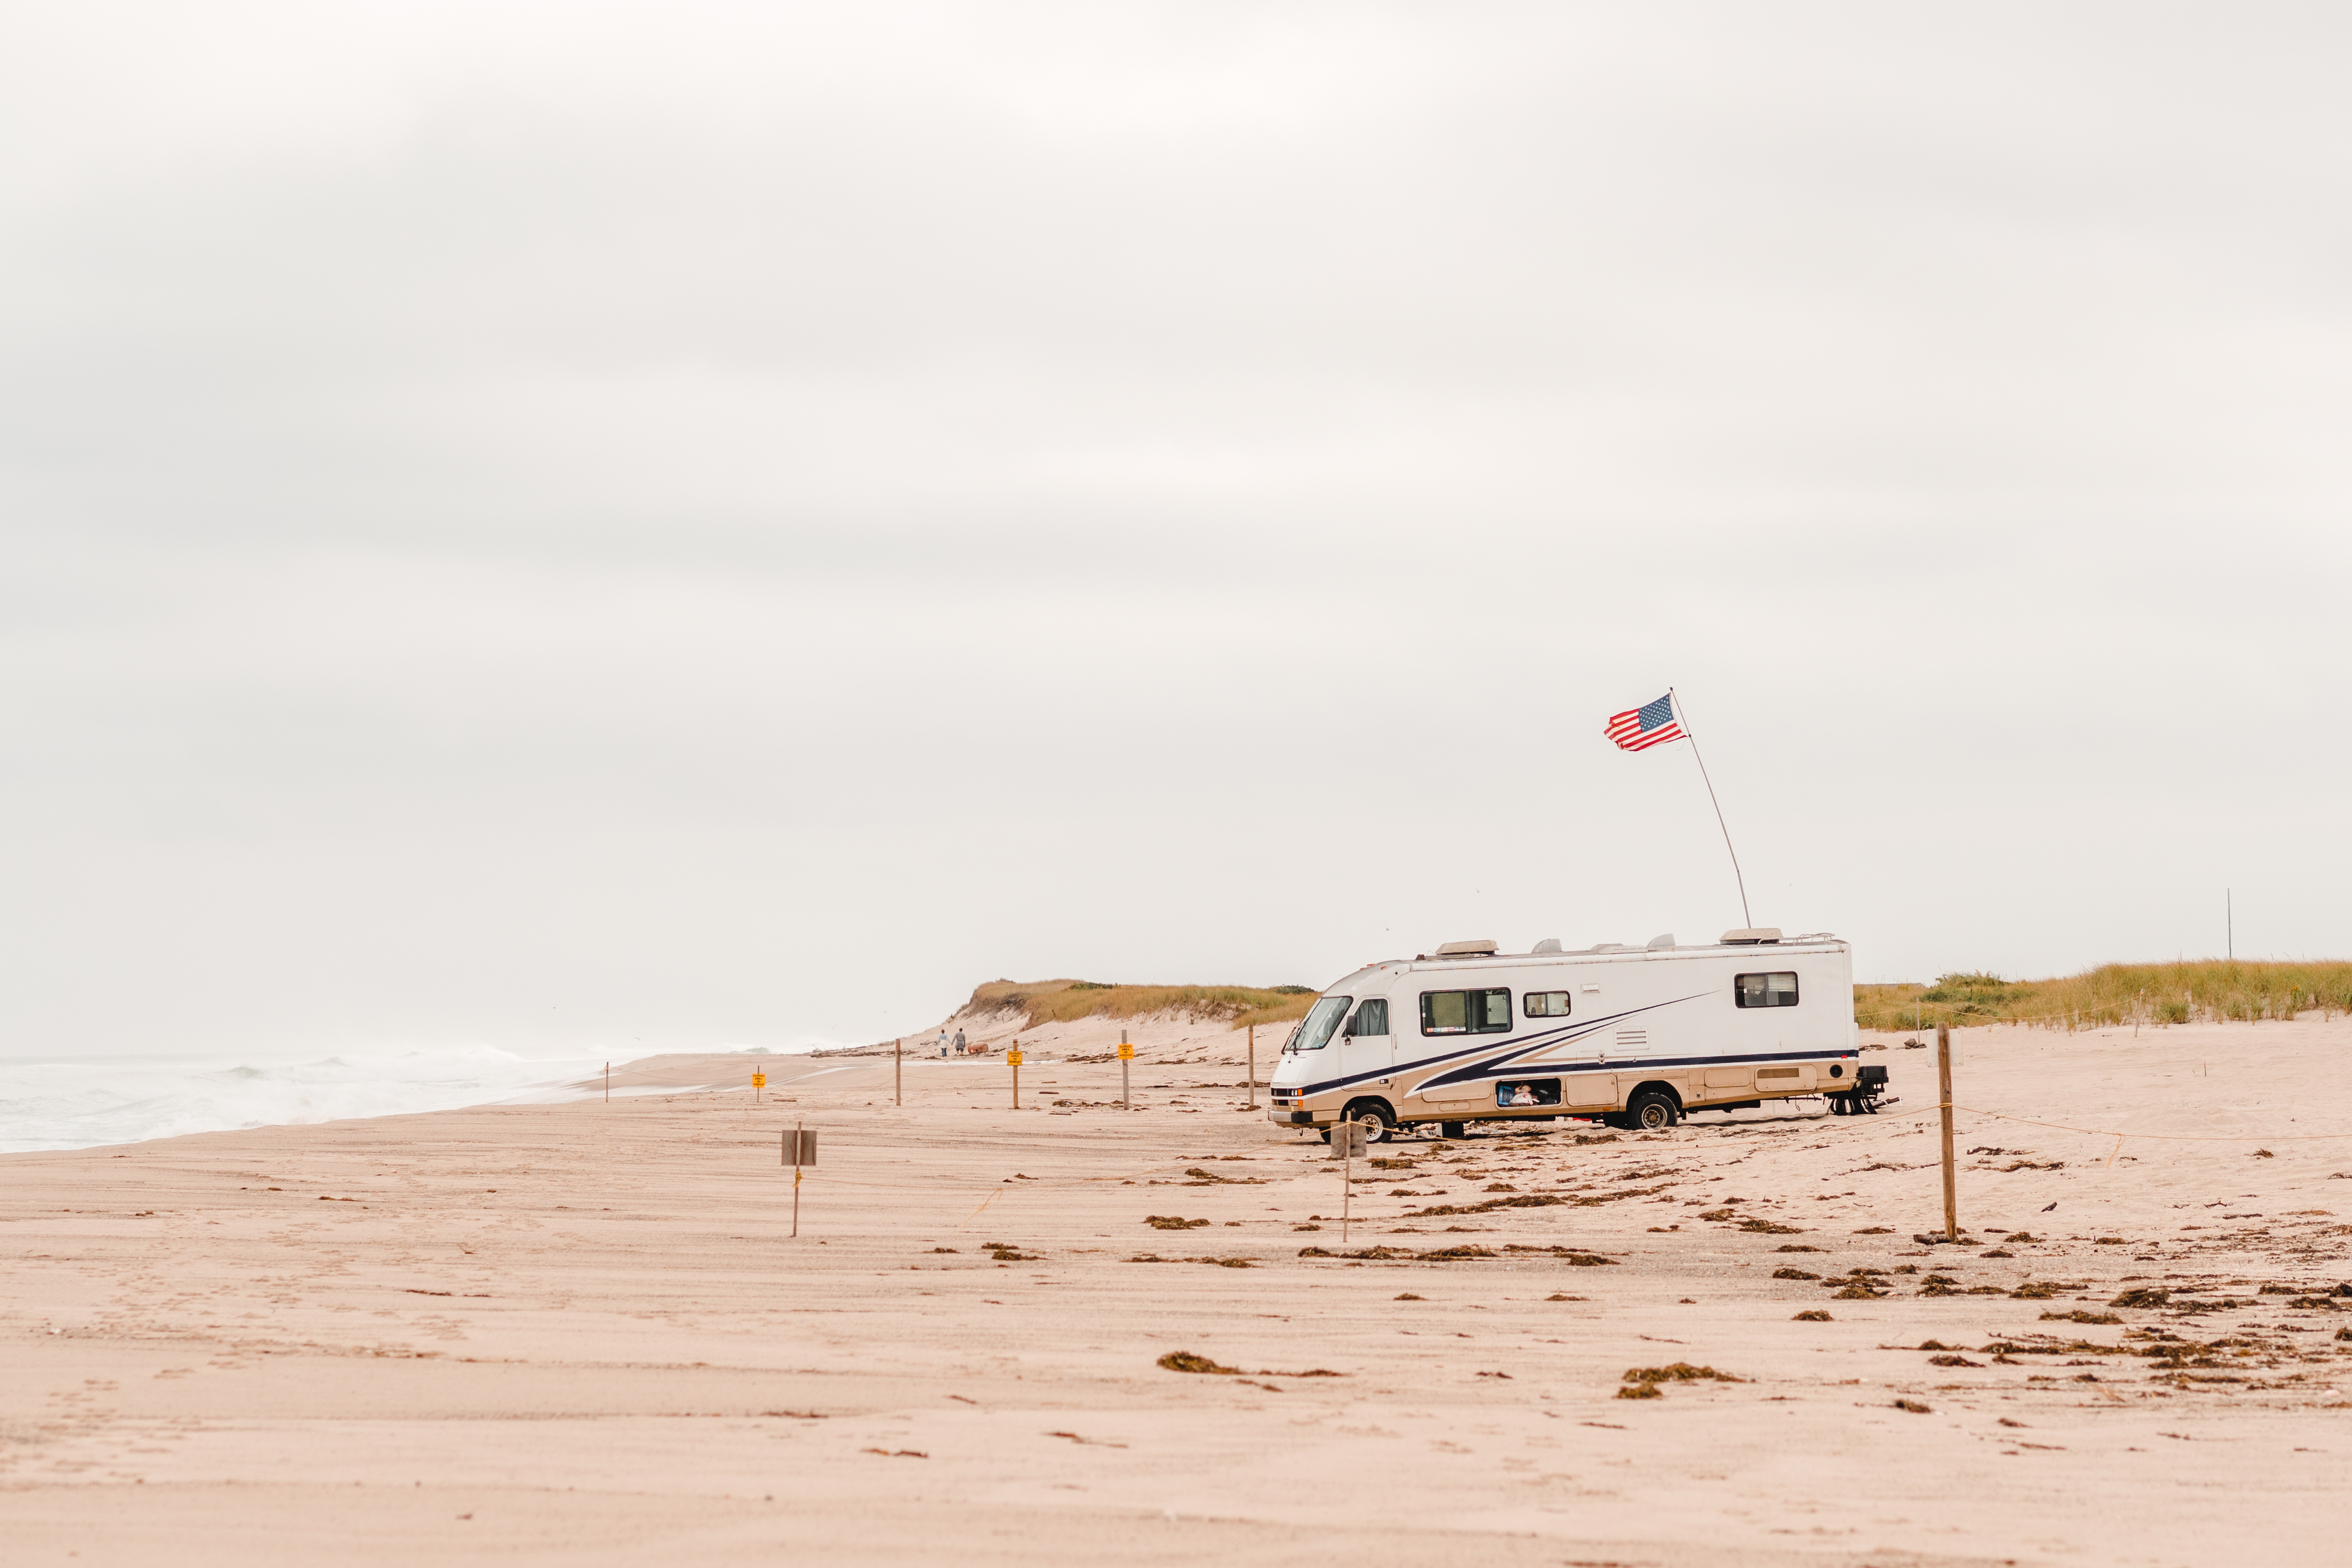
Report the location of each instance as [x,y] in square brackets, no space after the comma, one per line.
[1545,1004]
[1465,1012]
[1778,989]
[1371,1018]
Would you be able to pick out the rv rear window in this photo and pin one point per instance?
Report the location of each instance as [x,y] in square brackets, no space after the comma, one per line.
[1545,1004]
[1777,989]
[1465,1012]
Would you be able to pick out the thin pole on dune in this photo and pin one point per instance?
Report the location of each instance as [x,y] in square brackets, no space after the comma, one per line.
[1675,698]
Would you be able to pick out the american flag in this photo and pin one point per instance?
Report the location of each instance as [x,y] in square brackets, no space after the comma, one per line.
[1651,724]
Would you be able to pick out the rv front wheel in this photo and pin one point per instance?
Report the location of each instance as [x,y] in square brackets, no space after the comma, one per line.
[1378,1125]
[1653,1111]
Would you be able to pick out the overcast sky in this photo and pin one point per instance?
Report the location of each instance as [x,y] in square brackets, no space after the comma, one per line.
[564,526]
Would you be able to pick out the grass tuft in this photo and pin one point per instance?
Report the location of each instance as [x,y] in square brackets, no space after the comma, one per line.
[2203,990]
[1066,1001]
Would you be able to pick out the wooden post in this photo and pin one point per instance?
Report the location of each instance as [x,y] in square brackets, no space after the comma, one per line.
[608,1083]
[1346,1185]
[1125,1055]
[897,1072]
[796,1177]
[1013,1056]
[1253,1067]
[1944,1088]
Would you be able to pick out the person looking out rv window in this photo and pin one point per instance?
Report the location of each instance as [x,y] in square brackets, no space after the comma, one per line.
[1315,1032]
[1774,990]
[1371,1018]
[1465,1012]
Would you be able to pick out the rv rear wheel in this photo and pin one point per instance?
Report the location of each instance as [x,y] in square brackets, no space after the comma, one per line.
[1653,1111]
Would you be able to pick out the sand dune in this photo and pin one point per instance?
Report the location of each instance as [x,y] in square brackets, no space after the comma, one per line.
[581,1331]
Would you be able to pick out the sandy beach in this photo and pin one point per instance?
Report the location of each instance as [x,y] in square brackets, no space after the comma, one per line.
[583,1332]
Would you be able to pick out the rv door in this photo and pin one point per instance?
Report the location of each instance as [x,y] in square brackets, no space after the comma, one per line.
[1585,1081]
[1372,1048]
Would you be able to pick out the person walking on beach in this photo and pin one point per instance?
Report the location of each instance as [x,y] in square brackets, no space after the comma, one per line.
[943,1042]
[958,1042]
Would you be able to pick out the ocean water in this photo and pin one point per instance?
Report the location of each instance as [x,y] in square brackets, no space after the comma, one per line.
[81,1103]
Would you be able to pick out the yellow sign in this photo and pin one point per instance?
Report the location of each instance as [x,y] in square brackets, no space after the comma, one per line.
[1012,1056]
[1126,1052]
[758,1080]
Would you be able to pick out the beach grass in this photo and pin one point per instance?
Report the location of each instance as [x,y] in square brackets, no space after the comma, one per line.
[1066,1001]
[2194,990]
[2186,991]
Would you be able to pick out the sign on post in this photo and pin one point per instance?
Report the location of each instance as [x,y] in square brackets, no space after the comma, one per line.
[799,1148]
[1013,1056]
[759,1082]
[1125,1055]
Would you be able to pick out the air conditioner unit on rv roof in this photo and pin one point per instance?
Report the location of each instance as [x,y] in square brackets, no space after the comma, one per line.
[1482,948]
[1751,936]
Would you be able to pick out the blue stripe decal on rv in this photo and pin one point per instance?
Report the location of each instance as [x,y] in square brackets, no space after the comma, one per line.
[1509,1051]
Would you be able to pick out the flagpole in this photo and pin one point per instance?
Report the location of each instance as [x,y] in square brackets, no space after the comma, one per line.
[1689,734]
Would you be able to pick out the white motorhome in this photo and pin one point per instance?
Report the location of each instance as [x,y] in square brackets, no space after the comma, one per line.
[1634,1036]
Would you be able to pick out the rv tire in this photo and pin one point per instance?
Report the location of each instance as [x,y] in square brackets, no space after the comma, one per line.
[1378,1121]
[1653,1111]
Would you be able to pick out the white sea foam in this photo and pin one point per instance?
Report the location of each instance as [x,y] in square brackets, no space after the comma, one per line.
[78,1104]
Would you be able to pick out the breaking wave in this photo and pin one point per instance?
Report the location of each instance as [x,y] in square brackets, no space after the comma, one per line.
[83,1103]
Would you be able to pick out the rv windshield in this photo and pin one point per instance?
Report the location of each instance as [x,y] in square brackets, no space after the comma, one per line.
[1315,1032]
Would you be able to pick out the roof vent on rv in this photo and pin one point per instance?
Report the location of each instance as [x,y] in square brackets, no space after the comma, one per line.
[1548,944]
[1662,942]
[1483,947]
[1751,936]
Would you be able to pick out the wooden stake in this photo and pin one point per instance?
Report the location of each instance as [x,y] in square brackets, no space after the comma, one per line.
[608,1083]
[796,1177]
[897,1072]
[1253,1067]
[1346,1185]
[1123,1103]
[1944,1088]
[1015,1054]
